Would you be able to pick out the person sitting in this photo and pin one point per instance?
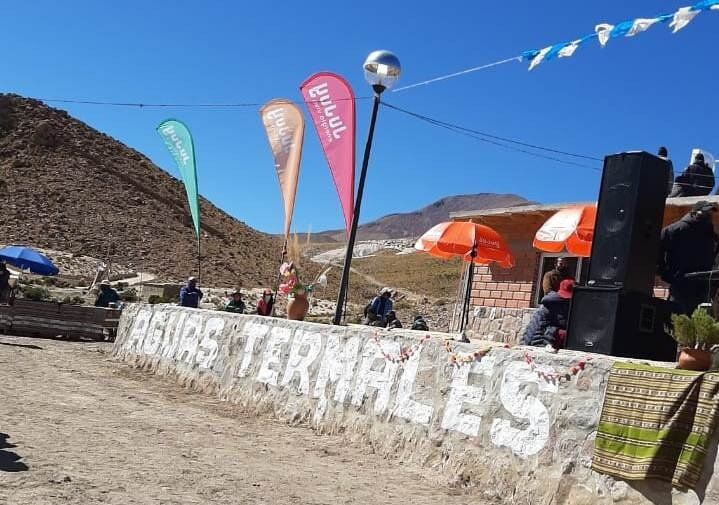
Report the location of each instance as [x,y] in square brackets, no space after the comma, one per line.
[549,323]
[4,283]
[190,294]
[419,324]
[377,310]
[266,303]
[551,279]
[392,321]
[106,295]
[235,304]
[696,180]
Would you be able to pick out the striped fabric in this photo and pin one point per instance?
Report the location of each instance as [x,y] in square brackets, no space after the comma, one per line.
[656,423]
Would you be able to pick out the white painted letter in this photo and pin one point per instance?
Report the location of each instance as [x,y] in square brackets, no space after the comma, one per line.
[139,330]
[521,404]
[338,366]
[462,393]
[190,338]
[273,355]
[208,348]
[404,406]
[154,333]
[253,332]
[297,363]
[380,380]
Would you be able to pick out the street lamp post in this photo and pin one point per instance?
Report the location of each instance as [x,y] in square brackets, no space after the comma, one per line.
[381,71]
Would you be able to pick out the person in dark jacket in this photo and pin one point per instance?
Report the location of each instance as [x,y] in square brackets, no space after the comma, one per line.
[235,304]
[552,278]
[266,303]
[549,323]
[190,294]
[696,180]
[107,295]
[687,246]
[419,324]
[392,321]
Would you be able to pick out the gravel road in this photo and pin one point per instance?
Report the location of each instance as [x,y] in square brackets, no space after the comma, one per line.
[78,427]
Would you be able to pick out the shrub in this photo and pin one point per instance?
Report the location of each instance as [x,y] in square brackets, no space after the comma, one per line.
[35,293]
[129,295]
[154,299]
[75,300]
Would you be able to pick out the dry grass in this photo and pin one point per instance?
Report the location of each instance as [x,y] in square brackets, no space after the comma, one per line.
[418,273]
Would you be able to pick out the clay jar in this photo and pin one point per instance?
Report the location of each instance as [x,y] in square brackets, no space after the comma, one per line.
[297,306]
[699,360]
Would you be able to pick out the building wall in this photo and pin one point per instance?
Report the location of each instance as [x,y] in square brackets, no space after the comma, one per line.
[515,288]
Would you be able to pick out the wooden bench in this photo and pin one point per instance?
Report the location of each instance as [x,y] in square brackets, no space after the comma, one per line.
[50,319]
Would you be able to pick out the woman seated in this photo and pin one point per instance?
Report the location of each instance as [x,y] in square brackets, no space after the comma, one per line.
[549,323]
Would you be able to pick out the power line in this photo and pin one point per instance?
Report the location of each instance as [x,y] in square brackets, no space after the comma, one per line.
[141,105]
[499,141]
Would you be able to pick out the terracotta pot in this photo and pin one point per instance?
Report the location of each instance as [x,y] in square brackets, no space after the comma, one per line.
[297,307]
[699,360]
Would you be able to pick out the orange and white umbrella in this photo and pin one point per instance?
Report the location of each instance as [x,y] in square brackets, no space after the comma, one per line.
[473,243]
[571,229]
[470,241]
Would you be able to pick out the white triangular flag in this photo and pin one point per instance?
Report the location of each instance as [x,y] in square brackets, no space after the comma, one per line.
[604,31]
[682,17]
[568,50]
[641,25]
[540,56]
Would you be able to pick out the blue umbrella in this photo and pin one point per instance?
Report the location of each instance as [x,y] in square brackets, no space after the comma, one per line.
[28,259]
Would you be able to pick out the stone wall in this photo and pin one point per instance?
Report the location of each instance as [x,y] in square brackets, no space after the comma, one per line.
[499,325]
[493,424]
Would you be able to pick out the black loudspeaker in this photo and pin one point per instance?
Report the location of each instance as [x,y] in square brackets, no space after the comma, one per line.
[630,212]
[620,323]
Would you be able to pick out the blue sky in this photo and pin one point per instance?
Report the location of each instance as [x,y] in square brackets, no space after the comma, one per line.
[637,93]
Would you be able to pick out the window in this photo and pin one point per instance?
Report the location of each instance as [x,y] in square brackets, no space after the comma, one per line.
[547,261]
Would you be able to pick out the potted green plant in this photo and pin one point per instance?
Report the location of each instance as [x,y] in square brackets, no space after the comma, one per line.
[695,335]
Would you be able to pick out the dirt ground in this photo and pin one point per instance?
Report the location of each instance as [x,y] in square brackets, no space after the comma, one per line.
[78,427]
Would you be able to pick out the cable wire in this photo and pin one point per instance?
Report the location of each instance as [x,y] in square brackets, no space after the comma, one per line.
[495,140]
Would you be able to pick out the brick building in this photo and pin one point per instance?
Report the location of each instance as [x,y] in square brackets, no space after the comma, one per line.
[510,292]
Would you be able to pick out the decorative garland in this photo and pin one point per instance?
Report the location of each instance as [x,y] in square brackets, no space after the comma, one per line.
[457,359]
[556,376]
[404,354]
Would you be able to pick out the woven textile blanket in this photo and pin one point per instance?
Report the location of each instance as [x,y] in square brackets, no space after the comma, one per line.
[656,423]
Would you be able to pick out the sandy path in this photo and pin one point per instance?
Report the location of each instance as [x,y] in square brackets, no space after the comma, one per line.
[90,430]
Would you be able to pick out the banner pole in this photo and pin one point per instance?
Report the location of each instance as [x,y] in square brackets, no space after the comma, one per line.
[341,296]
[279,278]
[199,261]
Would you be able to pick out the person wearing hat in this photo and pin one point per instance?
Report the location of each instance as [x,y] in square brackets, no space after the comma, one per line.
[548,325]
[190,294]
[696,180]
[106,295]
[266,303]
[235,304]
[377,310]
[687,246]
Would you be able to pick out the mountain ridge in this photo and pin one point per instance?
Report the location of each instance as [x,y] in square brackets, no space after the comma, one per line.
[414,223]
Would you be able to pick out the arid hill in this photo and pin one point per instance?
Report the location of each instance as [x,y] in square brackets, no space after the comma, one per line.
[69,187]
[414,224]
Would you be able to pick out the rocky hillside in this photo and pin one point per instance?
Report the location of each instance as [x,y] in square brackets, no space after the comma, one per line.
[71,188]
[414,224]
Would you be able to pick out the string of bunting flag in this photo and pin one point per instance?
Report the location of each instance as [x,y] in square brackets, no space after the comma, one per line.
[604,32]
